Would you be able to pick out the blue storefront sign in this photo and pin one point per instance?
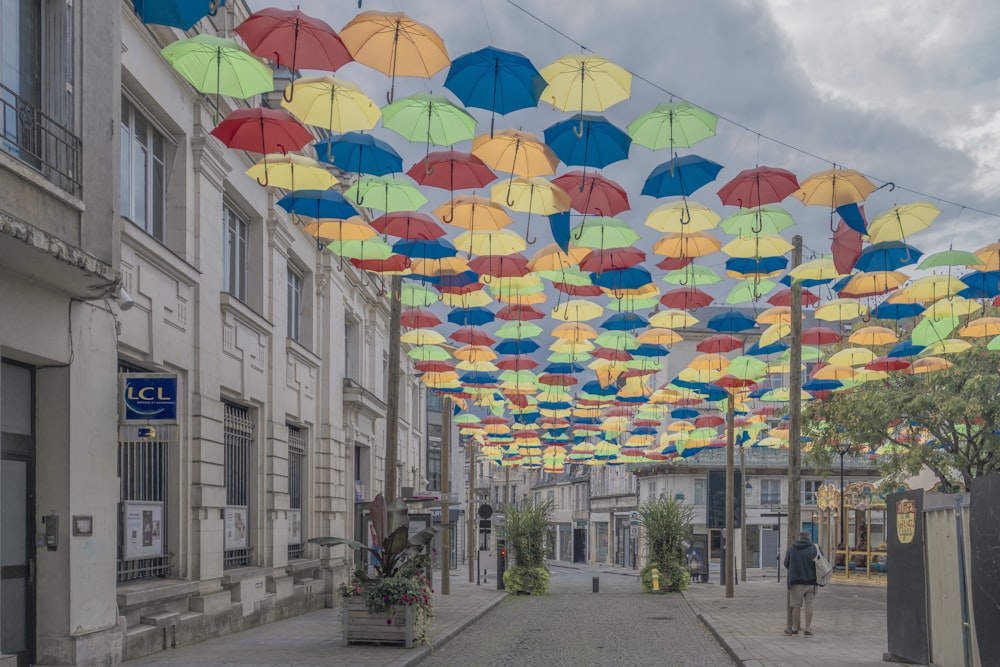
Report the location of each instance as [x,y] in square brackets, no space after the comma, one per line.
[148,397]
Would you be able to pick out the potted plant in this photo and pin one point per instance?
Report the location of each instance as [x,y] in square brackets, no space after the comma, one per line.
[393,603]
[526,525]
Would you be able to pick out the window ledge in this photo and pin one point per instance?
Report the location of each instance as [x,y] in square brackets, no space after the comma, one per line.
[233,306]
[147,591]
[38,180]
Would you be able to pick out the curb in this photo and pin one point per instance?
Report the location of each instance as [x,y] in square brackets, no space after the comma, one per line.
[735,649]
[425,652]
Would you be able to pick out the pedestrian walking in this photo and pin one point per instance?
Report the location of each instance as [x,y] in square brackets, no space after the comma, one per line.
[800,561]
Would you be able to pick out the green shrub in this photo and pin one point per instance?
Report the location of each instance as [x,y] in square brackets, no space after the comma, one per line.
[667,524]
[526,525]
[673,577]
[527,580]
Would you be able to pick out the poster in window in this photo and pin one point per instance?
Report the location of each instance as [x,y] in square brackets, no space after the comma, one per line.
[295,526]
[236,528]
[143,529]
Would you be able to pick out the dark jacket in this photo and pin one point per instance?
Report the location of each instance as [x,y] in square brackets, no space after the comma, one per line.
[800,563]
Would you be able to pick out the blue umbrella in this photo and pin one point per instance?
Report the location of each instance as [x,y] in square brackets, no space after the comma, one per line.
[684,413]
[897,311]
[554,405]
[649,350]
[478,377]
[756,265]
[627,321]
[594,387]
[527,417]
[982,284]
[359,153]
[471,316]
[590,141]
[625,279]
[516,346]
[774,348]
[730,321]
[887,256]
[458,280]
[422,249]
[318,204]
[905,348]
[181,14]
[563,367]
[757,393]
[494,79]
[854,217]
[680,176]
[814,384]
[559,224]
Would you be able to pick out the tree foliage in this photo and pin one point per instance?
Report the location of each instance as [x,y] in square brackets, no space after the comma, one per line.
[946,420]
[667,524]
[526,524]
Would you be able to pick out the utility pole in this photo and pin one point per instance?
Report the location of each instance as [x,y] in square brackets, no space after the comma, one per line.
[730,570]
[445,487]
[392,400]
[795,403]
[471,517]
[743,522]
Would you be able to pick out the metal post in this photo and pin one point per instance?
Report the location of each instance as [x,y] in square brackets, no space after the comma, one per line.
[795,402]
[392,400]
[960,534]
[729,571]
[843,510]
[743,522]
[445,488]
[470,512]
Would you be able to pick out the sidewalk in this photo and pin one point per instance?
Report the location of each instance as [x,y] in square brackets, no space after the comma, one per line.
[314,639]
[849,623]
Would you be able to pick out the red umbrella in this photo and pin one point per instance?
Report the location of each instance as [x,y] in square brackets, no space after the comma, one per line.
[623,411]
[593,194]
[418,318]
[612,259]
[846,247]
[460,289]
[517,363]
[500,266]
[493,419]
[261,130]
[672,263]
[408,225]
[709,421]
[820,336]
[758,186]
[472,336]
[888,364]
[686,298]
[719,344]
[611,354]
[557,380]
[732,382]
[643,423]
[391,264]
[520,312]
[452,170]
[434,367]
[638,372]
[783,297]
[579,290]
[294,39]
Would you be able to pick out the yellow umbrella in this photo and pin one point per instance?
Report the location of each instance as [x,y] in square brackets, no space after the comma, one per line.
[352,229]
[445,377]
[673,319]
[774,333]
[852,356]
[872,336]
[494,242]
[699,374]
[990,254]
[446,266]
[927,365]
[865,375]
[946,346]
[984,326]
[683,216]
[577,310]
[531,195]
[776,315]
[681,425]
[292,172]
[475,353]
[765,245]
[475,299]
[480,366]
[552,258]
[585,82]
[955,306]
[331,103]
[837,310]
[687,244]
[709,361]
[522,299]
[874,283]
[835,372]
[928,288]
[422,337]
[821,268]
[660,336]
[833,188]
[515,152]
[571,345]
[574,331]
[902,221]
[474,213]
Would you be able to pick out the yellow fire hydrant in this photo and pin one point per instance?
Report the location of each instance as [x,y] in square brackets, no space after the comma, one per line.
[655,573]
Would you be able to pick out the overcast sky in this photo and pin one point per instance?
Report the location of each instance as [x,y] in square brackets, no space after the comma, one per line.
[902,91]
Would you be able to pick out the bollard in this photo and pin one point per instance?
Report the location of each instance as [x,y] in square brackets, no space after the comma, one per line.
[596,584]
[655,573]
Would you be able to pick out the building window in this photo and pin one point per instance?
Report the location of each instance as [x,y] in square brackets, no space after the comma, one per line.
[235,255]
[433,401]
[294,304]
[143,172]
[434,457]
[809,489]
[700,493]
[296,488]
[352,349]
[650,490]
[238,436]
[770,492]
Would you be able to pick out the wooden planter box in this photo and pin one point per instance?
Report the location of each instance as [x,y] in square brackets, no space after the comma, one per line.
[393,626]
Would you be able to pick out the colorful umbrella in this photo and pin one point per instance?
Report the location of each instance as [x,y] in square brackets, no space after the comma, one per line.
[451,170]
[218,66]
[766,219]
[680,176]
[473,213]
[407,225]
[887,256]
[686,298]
[950,257]
[585,83]
[359,153]
[872,284]
[427,118]
[752,188]
[682,216]
[293,172]
[385,193]
[834,188]
[593,194]
[590,141]
[181,14]
[494,79]
[902,221]
[515,152]
[334,104]
[396,45]
[490,242]
[846,247]
[672,125]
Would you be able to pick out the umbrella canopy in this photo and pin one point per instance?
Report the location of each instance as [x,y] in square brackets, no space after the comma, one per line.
[293,39]
[359,153]
[531,195]
[730,322]
[693,244]
[686,298]
[887,256]
[582,82]
[407,225]
[593,194]
[293,172]
[672,125]
[752,188]
[218,66]
[334,104]
[585,140]
[767,219]
[577,310]
[834,188]
[451,170]
[872,284]
[682,216]
[873,336]
[680,176]
[260,130]
[428,118]
[385,193]
[494,79]
[604,233]
[181,14]
[950,258]
[901,221]
[473,213]
[490,242]
[515,152]
[846,247]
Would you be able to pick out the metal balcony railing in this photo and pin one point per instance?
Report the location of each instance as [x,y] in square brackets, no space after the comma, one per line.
[33,137]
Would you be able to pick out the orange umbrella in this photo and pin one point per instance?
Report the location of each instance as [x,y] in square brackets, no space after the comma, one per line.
[834,187]
[473,213]
[515,152]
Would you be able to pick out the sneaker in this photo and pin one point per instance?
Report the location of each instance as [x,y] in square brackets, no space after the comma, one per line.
[808,633]
[791,633]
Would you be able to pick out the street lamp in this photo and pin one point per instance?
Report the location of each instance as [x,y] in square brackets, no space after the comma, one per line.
[747,489]
[842,448]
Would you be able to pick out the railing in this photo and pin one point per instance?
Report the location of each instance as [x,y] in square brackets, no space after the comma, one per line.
[757,456]
[33,137]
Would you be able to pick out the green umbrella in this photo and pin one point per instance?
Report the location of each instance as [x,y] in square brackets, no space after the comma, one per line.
[931,330]
[747,368]
[750,290]
[428,353]
[572,275]
[432,119]
[567,357]
[809,353]
[518,329]
[994,344]
[633,303]
[672,125]
[465,418]
[417,296]
[218,66]
[767,219]
[386,193]
[374,248]
[603,233]
[950,257]
[618,340]
[519,377]
[692,275]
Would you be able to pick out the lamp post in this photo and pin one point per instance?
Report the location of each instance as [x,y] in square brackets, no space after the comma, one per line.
[842,448]
[748,489]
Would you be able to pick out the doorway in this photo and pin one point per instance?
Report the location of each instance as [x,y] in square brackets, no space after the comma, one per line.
[579,545]
[17,513]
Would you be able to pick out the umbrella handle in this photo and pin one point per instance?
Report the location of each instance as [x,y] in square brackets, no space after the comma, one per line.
[289,93]
[758,226]
[265,181]
[340,265]
[319,244]
[381,287]
[579,234]
[527,240]
[428,167]
[578,129]
[213,7]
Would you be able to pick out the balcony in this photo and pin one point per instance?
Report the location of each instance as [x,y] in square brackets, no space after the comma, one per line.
[34,138]
[358,398]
